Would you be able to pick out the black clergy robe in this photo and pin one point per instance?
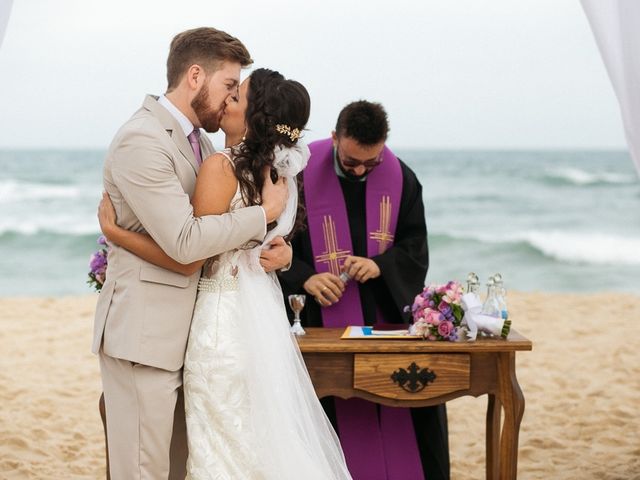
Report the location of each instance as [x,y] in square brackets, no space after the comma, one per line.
[403,270]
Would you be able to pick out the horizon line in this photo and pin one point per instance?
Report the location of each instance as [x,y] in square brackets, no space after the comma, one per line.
[396,147]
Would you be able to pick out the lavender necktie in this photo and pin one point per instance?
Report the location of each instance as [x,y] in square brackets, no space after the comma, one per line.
[194,140]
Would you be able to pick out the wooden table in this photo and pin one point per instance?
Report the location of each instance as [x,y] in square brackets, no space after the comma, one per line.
[417,373]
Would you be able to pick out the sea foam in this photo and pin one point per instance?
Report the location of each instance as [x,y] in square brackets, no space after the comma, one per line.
[12,191]
[577,176]
[569,247]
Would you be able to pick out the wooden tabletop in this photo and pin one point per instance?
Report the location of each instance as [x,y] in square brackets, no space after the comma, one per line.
[327,340]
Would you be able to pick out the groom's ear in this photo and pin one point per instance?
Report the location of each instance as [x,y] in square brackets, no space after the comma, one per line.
[195,76]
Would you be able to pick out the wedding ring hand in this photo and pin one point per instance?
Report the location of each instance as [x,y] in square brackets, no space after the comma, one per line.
[325,287]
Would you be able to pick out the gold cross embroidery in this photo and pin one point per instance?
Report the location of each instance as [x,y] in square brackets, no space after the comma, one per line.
[332,255]
[383,235]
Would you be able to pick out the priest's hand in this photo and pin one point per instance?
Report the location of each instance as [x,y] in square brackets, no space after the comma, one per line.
[361,269]
[325,287]
[277,256]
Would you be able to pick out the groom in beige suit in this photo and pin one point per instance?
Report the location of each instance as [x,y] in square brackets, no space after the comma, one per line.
[144,312]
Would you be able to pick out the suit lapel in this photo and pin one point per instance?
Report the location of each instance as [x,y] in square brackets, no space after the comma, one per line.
[172,127]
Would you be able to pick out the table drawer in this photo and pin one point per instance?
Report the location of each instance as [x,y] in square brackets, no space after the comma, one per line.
[411,376]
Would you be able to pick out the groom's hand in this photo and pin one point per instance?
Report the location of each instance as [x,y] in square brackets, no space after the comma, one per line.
[274,195]
[278,255]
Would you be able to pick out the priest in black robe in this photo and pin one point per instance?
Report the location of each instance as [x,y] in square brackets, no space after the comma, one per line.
[386,282]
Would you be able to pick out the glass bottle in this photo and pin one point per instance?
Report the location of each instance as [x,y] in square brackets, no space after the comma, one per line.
[501,294]
[491,306]
[473,283]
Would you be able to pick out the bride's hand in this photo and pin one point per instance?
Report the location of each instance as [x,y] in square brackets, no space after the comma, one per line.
[107,216]
[274,195]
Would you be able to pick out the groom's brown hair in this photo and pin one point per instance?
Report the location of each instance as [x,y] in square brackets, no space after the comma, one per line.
[206,47]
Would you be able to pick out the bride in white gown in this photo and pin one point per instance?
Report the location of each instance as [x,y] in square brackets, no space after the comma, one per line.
[251,409]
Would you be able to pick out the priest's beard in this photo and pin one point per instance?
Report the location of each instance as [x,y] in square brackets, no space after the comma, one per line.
[209,116]
[352,177]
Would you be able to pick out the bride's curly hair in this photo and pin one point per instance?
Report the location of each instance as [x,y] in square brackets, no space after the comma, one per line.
[271,100]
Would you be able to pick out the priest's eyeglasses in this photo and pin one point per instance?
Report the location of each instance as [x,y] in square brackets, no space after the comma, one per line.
[351,163]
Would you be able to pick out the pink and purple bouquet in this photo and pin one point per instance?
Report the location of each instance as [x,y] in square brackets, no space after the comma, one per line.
[98,265]
[437,312]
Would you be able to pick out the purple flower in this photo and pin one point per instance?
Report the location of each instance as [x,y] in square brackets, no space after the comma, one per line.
[444,308]
[98,262]
[98,266]
[102,240]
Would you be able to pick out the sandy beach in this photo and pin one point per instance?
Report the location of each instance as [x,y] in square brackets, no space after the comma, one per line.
[581,384]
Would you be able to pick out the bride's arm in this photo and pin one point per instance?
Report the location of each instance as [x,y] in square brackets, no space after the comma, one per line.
[139,244]
[215,186]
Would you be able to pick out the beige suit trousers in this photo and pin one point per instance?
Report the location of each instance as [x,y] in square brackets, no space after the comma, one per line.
[143,410]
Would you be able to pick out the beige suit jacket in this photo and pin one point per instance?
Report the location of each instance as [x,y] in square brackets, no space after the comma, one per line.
[144,312]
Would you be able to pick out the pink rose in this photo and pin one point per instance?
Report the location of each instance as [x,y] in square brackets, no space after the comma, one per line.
[445,328]
[431,316]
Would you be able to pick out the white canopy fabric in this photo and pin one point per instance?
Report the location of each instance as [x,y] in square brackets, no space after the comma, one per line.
[616,26]
[5,10]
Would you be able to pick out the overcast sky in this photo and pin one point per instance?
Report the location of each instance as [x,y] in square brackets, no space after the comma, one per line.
[451,73]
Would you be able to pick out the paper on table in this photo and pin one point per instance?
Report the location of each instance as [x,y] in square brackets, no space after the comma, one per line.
[368,333]
[390,332]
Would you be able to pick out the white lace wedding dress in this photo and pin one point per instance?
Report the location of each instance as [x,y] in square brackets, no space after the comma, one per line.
[250,406]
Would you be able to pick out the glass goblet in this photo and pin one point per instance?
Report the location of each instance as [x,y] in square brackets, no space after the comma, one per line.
[296,302]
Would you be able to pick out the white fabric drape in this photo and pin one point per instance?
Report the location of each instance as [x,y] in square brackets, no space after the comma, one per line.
[616,27]
[5,11]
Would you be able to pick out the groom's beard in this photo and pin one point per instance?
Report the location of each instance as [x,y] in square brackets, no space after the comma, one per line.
[209,117]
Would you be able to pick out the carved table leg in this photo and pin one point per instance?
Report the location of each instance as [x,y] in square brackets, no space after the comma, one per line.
[493,437]
[513,403]
[103,416]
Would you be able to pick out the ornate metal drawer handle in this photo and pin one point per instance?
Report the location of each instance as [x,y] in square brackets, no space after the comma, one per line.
[414,378]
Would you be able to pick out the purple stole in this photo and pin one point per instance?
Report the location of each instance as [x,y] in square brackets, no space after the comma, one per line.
[376,447]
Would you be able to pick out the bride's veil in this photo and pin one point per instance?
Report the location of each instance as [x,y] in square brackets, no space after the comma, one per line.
[294,437]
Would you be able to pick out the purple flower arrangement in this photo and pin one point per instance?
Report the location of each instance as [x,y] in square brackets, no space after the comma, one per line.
[98,265]
[437,312]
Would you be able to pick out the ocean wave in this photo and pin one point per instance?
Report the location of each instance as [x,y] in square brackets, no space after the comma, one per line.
[12,191]
[50,225]
[577,176]
[568,247]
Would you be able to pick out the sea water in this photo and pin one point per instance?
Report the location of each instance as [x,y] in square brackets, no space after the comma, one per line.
[546,220]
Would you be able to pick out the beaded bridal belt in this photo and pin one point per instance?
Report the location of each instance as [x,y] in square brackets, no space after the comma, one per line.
[214,285]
